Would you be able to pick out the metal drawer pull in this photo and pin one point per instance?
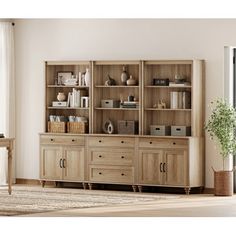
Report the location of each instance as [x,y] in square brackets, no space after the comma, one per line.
[60,163]
[122,141]
[161,167]
[122,157]
[52,139]
[72,140]
[100,173]
[100,156]
[164,169]
[100,141]
[64,163]
[122,174]
[150,142]
[174,143]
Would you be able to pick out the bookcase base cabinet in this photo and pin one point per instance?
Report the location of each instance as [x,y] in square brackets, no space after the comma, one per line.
[62,162]
[134,160]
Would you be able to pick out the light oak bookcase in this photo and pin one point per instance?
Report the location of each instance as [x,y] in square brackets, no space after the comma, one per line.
[137,160]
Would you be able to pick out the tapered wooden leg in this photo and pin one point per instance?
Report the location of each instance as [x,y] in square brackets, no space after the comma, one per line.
[9,170]
[140,188]
[84,185]
[134,188]
[42,183]
[187,190]
[90,186]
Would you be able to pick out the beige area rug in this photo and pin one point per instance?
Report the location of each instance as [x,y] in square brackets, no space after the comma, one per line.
[30,200]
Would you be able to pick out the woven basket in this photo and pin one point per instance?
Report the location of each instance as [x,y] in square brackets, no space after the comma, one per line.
[223,181]
[56,127]
[77,127]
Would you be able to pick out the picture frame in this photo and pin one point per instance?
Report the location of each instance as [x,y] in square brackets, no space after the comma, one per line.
[62,76]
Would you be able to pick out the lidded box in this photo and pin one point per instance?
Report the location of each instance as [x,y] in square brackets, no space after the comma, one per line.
[181,130]
[159,130]
[109,103]
[127,127]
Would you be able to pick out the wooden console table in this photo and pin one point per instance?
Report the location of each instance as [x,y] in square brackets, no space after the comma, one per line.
[8,143]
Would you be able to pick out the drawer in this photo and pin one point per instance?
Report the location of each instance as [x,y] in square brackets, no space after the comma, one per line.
[111,174]
[162,143]
[63,140]
[111,156]
[111,142]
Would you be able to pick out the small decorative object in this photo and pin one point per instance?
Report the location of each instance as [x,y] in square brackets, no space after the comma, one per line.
[161,105]
[84,101]
[87,77]
[1,135]
[124,76]
[179,79]
[110,103]
[221,128]
[80,79]
[127,127]
[130,98]
[131,81]
[160,82]
[61,96]
[108,127]
[63,76]
[110,81]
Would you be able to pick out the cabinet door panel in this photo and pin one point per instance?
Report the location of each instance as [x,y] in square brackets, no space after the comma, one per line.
[73,163]
[50,168]
[150,166]
[176,171]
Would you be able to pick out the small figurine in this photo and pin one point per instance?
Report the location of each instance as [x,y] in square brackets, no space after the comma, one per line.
[110,81]
[160,105]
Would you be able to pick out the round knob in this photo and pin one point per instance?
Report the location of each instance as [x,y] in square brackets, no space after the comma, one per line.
[122,157]
[174,143]
[122,141]
[122,174]
[100,141]
[73,140]
[52,139]
[100,173]
[100,156]
[151,142]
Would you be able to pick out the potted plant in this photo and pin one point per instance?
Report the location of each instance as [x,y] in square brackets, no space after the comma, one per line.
[221,127]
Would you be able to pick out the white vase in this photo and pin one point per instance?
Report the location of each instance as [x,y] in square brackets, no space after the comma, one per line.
[61,97]
[87,77]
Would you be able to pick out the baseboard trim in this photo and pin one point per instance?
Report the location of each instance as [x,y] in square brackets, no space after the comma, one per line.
[209,191]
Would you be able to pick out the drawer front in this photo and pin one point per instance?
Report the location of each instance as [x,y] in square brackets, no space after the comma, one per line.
[62,140]
[110,174]
[110,156]
[111,142]
[162,143]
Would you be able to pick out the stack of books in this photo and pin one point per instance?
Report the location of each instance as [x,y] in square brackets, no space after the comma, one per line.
[74,98]
[180,100]
[130,104]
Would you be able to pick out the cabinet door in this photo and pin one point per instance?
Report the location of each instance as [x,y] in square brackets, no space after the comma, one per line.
[73,163]
[51,162]
[150,167]
[175,167]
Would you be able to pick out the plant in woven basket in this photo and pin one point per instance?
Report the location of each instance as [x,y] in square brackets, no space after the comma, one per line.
[221,127]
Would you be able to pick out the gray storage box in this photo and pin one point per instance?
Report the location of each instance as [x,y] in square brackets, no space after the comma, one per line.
[181,130]
[110,103]
[127,127]
[159,130]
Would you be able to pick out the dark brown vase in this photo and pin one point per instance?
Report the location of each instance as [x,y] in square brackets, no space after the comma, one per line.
[223,181]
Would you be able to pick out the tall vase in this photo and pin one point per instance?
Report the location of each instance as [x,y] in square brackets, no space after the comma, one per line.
[87,77]
[124,76]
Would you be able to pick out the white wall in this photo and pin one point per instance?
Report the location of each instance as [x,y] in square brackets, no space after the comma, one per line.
[40,40]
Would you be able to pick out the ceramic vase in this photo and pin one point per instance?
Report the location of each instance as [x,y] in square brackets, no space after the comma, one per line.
[124,76]
[131,81]
[87,77]
[61,97]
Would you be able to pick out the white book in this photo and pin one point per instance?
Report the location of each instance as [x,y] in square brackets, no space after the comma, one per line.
[174,100]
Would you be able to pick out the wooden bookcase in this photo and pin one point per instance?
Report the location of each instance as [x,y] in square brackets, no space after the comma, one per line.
[139,159]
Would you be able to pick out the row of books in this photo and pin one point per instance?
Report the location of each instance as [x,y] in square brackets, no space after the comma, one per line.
[130,104]
[180,100]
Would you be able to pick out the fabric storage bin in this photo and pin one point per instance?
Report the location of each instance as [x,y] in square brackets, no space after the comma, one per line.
[159,130]
[181,130]
[127,127]
[110,103]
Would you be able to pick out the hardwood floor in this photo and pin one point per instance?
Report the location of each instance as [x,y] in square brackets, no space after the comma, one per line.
[194,205]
